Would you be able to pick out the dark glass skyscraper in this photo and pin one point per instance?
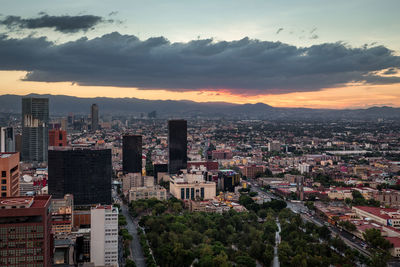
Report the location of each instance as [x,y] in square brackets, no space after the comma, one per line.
[132,153]
[95,117]
[35,132]
[177,145]
[84,173]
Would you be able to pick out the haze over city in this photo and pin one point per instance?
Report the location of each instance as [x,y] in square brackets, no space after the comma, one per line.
[311,54]
[214,133]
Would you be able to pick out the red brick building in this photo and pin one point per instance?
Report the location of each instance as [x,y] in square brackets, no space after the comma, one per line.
[57,138]
[209,165]
[251,171]
[25,225]
[9,174]
[222,154]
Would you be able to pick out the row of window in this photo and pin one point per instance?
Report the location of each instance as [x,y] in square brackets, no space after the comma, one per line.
[22,229]
[190,193]
[16,260]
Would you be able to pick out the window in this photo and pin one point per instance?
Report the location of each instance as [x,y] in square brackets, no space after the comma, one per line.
[3,181]
[202,192]
[3,173]
[182,193]
[3,187]
[192,193]
[187,193]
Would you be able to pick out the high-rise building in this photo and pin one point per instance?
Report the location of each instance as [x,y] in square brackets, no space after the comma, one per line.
[57,138]
[9,170]
[35,133]
[18,143]
[132,153]
[84,173]
[7,139]
[70,120]
[104,236]
[177,145]
[95,117]
[25,231]
[227,180]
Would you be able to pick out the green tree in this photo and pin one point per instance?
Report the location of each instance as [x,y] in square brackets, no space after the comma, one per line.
[130,263]
[374,238]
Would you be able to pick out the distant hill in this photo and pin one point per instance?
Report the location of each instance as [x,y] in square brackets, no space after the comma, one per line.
[62,105]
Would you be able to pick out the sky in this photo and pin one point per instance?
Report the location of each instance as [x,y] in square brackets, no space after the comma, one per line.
[314,54]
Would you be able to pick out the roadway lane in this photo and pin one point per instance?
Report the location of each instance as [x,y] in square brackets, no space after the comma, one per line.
[136,248]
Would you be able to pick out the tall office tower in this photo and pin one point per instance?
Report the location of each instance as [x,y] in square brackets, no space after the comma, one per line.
[95,117]
[35,132]
[57,138]
[70,120]
[18,143]
[84,173]
[7,139]
[9,170]
[104,236]
[25,231]
[177,145]
[64,124]
[132,153]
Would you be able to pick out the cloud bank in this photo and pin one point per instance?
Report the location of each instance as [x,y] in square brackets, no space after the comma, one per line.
[245,66]
[64,24]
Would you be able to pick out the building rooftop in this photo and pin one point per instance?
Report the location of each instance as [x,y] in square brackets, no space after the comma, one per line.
[380,212]
[24,202]
[394,240]
[4,155]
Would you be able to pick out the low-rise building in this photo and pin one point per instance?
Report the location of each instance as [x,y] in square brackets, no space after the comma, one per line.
[144,192]
[383,216]
[339,193]
[191,186]
[130,180]
[251,171]
[388,197]
[62,215]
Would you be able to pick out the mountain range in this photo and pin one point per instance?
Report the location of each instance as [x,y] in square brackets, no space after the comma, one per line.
[61,105]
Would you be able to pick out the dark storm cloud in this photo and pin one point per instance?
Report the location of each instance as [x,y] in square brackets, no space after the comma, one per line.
[390,71]
[65,24]
[245,66]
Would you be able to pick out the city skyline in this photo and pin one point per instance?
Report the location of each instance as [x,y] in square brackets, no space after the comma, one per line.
[314,55]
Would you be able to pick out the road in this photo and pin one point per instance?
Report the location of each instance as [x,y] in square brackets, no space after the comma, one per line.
[136,248]
[275,262]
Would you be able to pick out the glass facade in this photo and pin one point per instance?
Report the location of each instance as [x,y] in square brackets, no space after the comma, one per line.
[177,145]
[95,117]
[84,173]
[132,153]
[35,132]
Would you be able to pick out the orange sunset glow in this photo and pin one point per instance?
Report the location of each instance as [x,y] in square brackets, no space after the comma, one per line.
[349,96]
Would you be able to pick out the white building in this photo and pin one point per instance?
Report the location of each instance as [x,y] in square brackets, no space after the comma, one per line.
[104,236]
[304,168]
